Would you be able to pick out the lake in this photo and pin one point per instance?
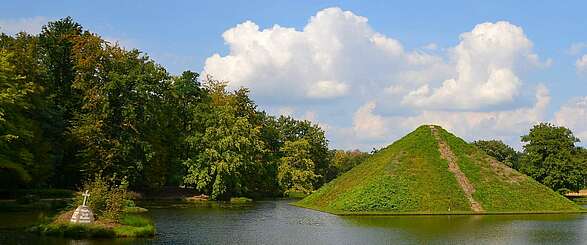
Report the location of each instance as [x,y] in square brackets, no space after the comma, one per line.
[276,222]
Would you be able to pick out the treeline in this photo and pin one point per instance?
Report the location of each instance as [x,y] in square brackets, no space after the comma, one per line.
[550,156]
[73,105]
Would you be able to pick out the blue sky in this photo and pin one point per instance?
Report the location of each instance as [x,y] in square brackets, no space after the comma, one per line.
[347,98]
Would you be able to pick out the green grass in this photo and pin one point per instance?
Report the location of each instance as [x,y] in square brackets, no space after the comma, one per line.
[75,230]
[129,225]
[238,200]
[410,177]
[135,226]
[503,189]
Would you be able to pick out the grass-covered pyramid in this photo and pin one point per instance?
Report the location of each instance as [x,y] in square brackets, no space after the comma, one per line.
[432,171]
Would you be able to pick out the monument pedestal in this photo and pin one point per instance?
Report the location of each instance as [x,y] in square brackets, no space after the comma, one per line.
[82,215]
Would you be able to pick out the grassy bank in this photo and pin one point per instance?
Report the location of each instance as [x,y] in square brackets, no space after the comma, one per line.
[385,213]
[129,225]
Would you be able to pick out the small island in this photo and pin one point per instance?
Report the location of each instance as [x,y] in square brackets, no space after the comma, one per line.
[109,213]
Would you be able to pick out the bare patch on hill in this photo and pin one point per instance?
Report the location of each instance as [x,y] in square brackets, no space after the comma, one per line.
[508,174]
[447,154]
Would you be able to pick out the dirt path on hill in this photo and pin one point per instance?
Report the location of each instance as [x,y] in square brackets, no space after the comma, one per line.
[447,154]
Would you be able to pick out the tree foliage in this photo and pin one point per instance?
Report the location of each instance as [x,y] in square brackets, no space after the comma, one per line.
[296,168]
[551,157]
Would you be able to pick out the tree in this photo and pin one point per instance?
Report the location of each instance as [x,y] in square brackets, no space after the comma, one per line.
[343,161]
[296,168]
[549,158]
[16,161]
[122,92]
[293,130]
[230,150]
[500,151]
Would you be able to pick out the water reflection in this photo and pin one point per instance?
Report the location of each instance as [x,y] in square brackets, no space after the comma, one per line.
[490,229]
[276,222]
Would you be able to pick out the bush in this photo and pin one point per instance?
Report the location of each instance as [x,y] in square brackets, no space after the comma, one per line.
[108,198]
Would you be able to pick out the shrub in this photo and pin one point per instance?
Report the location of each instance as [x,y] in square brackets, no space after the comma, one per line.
[108,197]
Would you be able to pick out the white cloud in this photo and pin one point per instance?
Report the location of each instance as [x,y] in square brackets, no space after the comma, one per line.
[574,116]
[369,89]
[485,61]
[430,46]
[507,125]
[30,25]
[576,48]
[335,53]
[581,64]
[368,125]
[327,89]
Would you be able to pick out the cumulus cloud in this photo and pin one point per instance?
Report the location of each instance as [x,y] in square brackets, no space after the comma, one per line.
[368,125]
[336,52]
[581,64]
[369,89]
[30,25]
[576,48]
[574,116]
[507,125]
[485,62]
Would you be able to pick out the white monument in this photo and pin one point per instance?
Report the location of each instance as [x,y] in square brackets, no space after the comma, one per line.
[83,214]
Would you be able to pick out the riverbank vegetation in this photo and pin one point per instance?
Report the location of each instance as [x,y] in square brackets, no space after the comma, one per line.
[73,104]
[115,214]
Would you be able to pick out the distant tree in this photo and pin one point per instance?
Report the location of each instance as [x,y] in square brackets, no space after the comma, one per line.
[293,130]
[343,161]
[296,169]
[500,151]
[550,158]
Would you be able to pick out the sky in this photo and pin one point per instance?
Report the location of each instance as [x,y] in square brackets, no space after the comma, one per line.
[367,72]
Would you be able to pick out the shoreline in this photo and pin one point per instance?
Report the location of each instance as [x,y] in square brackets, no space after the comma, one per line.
[358,214]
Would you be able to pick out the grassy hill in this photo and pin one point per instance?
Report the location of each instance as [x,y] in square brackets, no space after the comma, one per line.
[432,171]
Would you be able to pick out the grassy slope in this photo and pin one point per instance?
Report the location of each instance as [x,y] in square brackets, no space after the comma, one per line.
[410,177]
[501,189]
[407,176]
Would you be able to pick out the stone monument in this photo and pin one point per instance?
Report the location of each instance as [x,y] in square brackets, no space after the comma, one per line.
[83,214]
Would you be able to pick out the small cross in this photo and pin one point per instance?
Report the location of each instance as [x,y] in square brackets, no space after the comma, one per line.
[86,195]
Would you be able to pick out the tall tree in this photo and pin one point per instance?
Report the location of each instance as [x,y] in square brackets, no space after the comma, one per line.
[16,160]
[296,169]
[120,89]
[549,157]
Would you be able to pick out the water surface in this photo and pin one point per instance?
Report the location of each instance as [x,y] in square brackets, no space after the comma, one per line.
[276,222]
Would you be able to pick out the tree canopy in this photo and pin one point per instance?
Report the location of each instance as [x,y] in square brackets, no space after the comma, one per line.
[74,105]
[551,157]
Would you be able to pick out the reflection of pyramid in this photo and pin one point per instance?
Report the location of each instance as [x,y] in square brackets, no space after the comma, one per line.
[432,171]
